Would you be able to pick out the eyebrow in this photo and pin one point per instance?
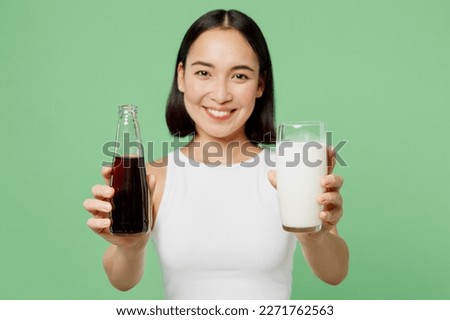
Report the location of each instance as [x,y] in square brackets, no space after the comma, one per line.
[210,65]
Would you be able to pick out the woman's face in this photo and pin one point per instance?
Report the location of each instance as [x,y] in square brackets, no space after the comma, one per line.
[220,82]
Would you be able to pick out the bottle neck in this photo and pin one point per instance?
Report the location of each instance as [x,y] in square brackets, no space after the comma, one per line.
[128,133]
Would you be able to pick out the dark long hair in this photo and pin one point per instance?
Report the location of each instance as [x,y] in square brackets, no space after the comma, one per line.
[260,126]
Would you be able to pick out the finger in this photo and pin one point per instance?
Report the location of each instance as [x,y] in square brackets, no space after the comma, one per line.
[332,181]
[99,225]
[107,174]
[97,207]
[102,192]
[330,198]
[331,216]
[151,181]
[272,175]
[331,160]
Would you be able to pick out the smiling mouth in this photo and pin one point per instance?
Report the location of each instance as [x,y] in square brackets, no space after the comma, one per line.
[220,114]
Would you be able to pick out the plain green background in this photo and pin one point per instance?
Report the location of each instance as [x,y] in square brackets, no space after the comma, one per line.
[377,72]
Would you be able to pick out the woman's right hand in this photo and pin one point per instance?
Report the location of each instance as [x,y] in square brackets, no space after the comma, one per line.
[100,207]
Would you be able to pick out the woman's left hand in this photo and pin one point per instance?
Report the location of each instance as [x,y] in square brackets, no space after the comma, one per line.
[331,199]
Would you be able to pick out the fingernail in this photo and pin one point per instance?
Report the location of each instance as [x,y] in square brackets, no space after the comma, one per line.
[105,223]
[108,192]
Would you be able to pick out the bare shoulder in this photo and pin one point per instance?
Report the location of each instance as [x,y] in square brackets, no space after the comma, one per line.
[157,168]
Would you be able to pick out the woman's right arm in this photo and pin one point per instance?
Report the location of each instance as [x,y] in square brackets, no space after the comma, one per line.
[124,258]
[124,266]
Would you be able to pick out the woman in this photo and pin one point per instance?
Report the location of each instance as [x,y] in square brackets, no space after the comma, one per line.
[217,230]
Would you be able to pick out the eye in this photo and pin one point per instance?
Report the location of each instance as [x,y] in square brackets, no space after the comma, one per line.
[202,73]
[240,76]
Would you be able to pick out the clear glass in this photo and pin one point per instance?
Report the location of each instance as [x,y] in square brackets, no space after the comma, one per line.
[130,213]
[301,162]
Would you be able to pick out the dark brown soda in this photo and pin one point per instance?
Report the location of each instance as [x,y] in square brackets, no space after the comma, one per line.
[129,215]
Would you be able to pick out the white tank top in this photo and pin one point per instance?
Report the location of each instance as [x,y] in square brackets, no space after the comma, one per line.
[218,232]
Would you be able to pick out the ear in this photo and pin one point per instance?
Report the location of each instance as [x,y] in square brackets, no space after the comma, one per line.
[261,86]
[180,76]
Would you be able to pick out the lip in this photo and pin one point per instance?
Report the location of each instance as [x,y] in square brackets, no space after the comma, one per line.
[219,114]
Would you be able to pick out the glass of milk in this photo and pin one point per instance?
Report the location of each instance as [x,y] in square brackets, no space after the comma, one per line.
[301,161]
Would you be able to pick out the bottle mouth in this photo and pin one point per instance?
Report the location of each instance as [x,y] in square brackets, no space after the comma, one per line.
[126,108]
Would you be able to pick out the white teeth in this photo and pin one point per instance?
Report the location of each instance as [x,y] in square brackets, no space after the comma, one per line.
[218,114]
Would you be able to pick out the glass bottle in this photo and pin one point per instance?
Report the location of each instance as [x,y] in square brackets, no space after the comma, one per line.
[130,213]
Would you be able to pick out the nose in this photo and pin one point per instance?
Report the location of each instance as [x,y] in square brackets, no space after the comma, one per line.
[220,92]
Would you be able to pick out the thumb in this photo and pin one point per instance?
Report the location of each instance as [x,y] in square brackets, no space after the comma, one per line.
[151,181]
[272,175]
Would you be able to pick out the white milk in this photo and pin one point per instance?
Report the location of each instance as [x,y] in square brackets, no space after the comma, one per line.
[298,184]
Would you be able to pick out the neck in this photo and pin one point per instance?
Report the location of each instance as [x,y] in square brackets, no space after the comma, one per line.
[221,150]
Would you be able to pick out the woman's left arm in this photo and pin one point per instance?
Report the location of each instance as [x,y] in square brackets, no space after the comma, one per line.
[325,251]
[327,255]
